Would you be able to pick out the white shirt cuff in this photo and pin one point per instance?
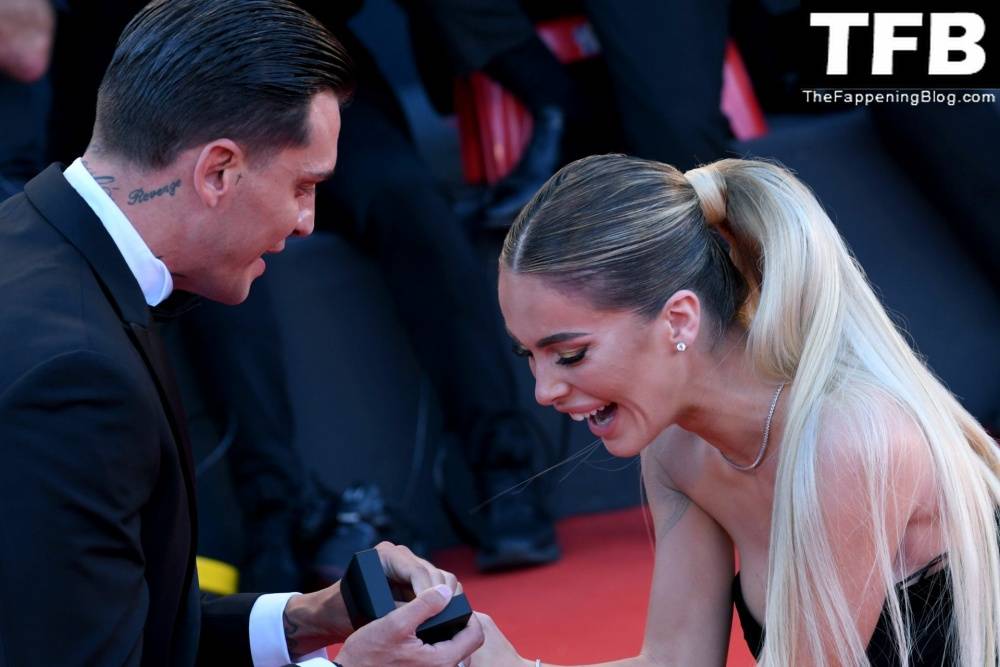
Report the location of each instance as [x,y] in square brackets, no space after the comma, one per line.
[268,647]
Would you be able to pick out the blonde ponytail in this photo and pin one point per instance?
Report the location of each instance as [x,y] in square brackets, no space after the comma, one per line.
[814,320]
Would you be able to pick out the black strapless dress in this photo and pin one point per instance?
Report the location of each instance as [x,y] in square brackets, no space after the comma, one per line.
[931,610]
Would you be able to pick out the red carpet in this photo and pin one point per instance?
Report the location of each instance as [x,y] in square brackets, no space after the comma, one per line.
[589,607]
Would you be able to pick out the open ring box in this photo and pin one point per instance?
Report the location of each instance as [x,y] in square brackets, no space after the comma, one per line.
[368,596]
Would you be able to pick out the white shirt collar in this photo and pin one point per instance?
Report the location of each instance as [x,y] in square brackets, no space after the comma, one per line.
[151,274]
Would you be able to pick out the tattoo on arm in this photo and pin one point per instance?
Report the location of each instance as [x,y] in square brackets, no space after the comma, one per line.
[107,182]
[139,195]
[291,632]
[680,504]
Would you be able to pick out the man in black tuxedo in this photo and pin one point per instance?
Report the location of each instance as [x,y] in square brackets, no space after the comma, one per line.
[216,119]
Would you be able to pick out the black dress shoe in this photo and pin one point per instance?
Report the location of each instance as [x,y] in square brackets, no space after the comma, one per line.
[518,529]
[539,162]
[357,515]
[358,519]
[490,496]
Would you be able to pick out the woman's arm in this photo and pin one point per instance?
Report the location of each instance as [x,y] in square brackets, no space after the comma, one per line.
[690,605]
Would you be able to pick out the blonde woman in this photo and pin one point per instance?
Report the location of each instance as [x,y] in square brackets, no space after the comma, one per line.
[715,323]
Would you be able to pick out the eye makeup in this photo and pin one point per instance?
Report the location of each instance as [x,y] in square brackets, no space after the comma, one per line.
[564,358]
[573,357]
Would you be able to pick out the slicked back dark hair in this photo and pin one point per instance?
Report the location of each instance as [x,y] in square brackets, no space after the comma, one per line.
[186,72]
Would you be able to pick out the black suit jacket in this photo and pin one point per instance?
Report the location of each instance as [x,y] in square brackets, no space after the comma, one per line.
[97,501]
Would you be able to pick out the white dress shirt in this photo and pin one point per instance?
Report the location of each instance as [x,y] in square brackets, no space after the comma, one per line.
[268,647]
[151,274]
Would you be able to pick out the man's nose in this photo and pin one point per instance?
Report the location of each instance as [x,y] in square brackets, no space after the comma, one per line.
[305,224]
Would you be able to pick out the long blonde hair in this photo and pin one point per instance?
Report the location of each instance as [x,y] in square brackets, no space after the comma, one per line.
[628,233]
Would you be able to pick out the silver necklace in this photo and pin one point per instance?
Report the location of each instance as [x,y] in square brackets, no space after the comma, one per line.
[763,441]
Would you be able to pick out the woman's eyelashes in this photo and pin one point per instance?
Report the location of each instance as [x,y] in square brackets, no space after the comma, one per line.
[563,358]
[570,358]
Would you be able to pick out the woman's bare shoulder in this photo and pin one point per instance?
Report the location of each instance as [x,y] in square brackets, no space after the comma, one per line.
[851,417]
[863,426]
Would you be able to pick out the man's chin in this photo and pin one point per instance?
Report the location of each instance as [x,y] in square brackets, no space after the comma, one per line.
[240,294]
[241,291]
[229,288]
[235,300]
[229,295]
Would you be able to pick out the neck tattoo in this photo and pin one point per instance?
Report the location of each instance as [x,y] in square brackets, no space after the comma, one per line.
[139,195]
[107,182]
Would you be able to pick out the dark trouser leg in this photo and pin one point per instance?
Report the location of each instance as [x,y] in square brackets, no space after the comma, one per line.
[472,32]
[665,59]
[496,36]
[384,199]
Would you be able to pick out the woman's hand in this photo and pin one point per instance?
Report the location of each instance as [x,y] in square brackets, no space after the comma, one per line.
[496,650]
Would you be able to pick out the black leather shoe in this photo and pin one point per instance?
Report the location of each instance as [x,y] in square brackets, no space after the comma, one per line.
[358,519]
[518,530]
[540,160]
[489,495]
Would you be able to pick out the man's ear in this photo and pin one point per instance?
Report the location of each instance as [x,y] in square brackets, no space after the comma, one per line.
[680,318]
[219,167]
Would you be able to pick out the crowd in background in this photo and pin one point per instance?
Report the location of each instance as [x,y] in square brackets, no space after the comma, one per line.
[661,66]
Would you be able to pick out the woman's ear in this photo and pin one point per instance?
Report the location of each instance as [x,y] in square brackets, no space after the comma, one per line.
[680,318]
[219,167]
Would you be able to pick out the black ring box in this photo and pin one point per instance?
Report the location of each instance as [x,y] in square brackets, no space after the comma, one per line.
[367,596]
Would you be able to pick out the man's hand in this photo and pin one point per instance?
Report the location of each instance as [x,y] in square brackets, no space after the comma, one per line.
[409,574]
[319,619]
[391,641]
[27,28]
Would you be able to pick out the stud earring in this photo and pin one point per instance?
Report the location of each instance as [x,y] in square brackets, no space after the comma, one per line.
[681,346]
